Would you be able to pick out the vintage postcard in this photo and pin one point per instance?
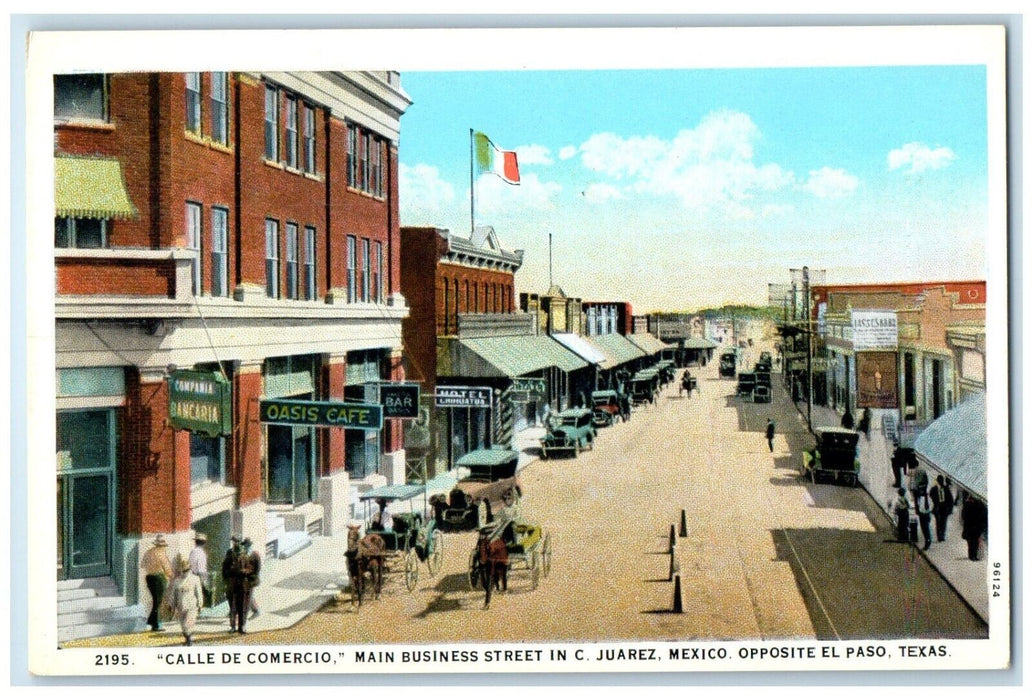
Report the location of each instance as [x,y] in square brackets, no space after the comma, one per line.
[482,351]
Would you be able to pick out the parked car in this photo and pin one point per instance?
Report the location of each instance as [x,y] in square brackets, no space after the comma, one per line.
[761,393]
[644,386]
[727,366]
[569,431]
[834,455]
[606,408]
[492,474]
[747,381]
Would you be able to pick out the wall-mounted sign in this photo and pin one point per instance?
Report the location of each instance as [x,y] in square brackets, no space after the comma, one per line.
[400,400]
[462,397]
[876,379]
[200,402]
[336,414]
[528,385]
[874,330]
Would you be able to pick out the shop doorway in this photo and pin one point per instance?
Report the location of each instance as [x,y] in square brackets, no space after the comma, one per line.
[292,460]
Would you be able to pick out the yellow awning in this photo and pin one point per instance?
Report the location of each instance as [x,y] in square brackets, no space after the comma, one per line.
[91,188]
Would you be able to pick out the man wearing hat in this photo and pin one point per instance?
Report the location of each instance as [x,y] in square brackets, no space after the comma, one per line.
[199,566]
[249,564]
[157,573]
[187,598]
[231,578]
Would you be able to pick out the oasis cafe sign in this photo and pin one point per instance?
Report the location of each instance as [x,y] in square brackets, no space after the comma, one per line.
[335,414]
[200,402]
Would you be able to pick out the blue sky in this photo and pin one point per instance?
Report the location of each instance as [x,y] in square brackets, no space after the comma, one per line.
[677,189]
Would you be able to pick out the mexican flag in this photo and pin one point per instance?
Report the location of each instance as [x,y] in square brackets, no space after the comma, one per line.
[491,159]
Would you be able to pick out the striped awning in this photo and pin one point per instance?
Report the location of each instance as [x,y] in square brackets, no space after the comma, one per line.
[91,188]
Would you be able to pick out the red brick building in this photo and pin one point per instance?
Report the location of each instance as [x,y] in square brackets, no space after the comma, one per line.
[242,227]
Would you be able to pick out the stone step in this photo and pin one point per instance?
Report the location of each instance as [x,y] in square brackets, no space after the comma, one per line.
[86,593]
[73,618]
[96,582]
[95,603]
[100,629]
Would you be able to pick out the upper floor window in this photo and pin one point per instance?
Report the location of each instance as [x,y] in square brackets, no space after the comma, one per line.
[292,132]
[193,243]
[81,96]
[353,156]
[272,118]
[365,270]
[310,263]
[292,261]
[220,108]
[376,185]
[272,258]
[193,102]
[351,268]
[80,233]
[364,163]
[220,282]
[310,139]
[378,271]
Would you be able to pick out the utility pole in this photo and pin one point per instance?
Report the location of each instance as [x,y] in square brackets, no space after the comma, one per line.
[810,344]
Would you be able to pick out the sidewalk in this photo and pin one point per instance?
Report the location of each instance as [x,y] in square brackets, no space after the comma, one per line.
[949,558]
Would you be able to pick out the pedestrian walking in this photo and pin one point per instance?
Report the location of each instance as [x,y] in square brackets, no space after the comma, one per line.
[865,424]
[899,465]
[248,565]
[157,573]
[187,599]
[943,506]
[770,432]
[231,578]
[902,512]
[848,419]
[199,566]
[924,510]
[918,481]
[973,524]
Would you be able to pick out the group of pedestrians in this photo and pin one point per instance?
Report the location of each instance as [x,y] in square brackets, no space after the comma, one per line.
[181,590]
[925,508]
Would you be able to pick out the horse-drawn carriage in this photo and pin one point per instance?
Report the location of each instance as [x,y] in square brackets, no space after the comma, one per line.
[689,384]
[400,548]
[491,474]
[504,547]
[665,371]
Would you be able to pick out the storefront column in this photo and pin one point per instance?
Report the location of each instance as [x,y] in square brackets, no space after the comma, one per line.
[248,442]
[334,484]
[393,464]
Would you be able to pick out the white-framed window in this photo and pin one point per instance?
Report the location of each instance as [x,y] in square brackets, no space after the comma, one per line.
[80,233]
[292,132]
[376,173]
[364,163]
[220,259]
[272,119]
[310,139]
[292,260]
[81,96]
[272,258]
[351,268]
[193,243]
[353,156]
[193,102]
[220,107]
[365,269]
[378,279]
[310,263]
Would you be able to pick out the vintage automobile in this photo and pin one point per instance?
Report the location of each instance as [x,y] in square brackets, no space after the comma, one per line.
[762,376]
[569,431]
[643,387]
[747,381]
[834,455]
[727,366]
[491,474]
[765,359]
[606,408]
[761,393]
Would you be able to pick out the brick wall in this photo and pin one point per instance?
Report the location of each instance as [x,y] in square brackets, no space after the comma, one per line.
[245,471]
[120,277]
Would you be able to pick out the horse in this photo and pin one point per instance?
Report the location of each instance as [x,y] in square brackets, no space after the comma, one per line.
[365,558]
[686,384]
[494,565]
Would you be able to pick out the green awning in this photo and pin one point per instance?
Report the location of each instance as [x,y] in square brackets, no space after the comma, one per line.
[622,349]
[699,344]
[511,356]
[649,343]
[91,188]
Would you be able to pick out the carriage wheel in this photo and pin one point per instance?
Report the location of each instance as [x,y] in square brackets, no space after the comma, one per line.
[412,569]
[474,577]
[546,555]
[535,571]
[437,543]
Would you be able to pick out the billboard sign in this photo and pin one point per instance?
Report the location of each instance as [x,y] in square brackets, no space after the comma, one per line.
[874,329]
[876,379]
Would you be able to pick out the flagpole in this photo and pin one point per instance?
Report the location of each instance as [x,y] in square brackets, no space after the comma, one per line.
[471,184]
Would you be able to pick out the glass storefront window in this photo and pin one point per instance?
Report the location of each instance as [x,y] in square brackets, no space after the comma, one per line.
[206,459]
[86,439]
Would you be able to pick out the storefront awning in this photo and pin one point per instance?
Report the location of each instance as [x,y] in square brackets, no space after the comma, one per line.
[699,343]
[91,188]
[511,356]
[649,343]
[620,348]
[955,443]
[584,348]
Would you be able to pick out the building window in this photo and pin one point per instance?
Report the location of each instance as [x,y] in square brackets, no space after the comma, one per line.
[379,282]
[81,97]
[292,261]
[476,300]
[193,99]
[365,269]
[86,439]
[272,118]
[193,243]
[220,108]
[310,139]
[364,164]
[80,233]
[220,260]
[455,290]
[310,263]
[207,457]
[272,258]
[444,282]
[376,184]
[351,269]
[292,132]
[353,156]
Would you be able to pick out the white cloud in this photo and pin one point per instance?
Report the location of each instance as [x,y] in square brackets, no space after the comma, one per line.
[533,155]
[421,191]
[568,152]
[497,197]
[919,157]
[599,192]
[831,183]
[710,166]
